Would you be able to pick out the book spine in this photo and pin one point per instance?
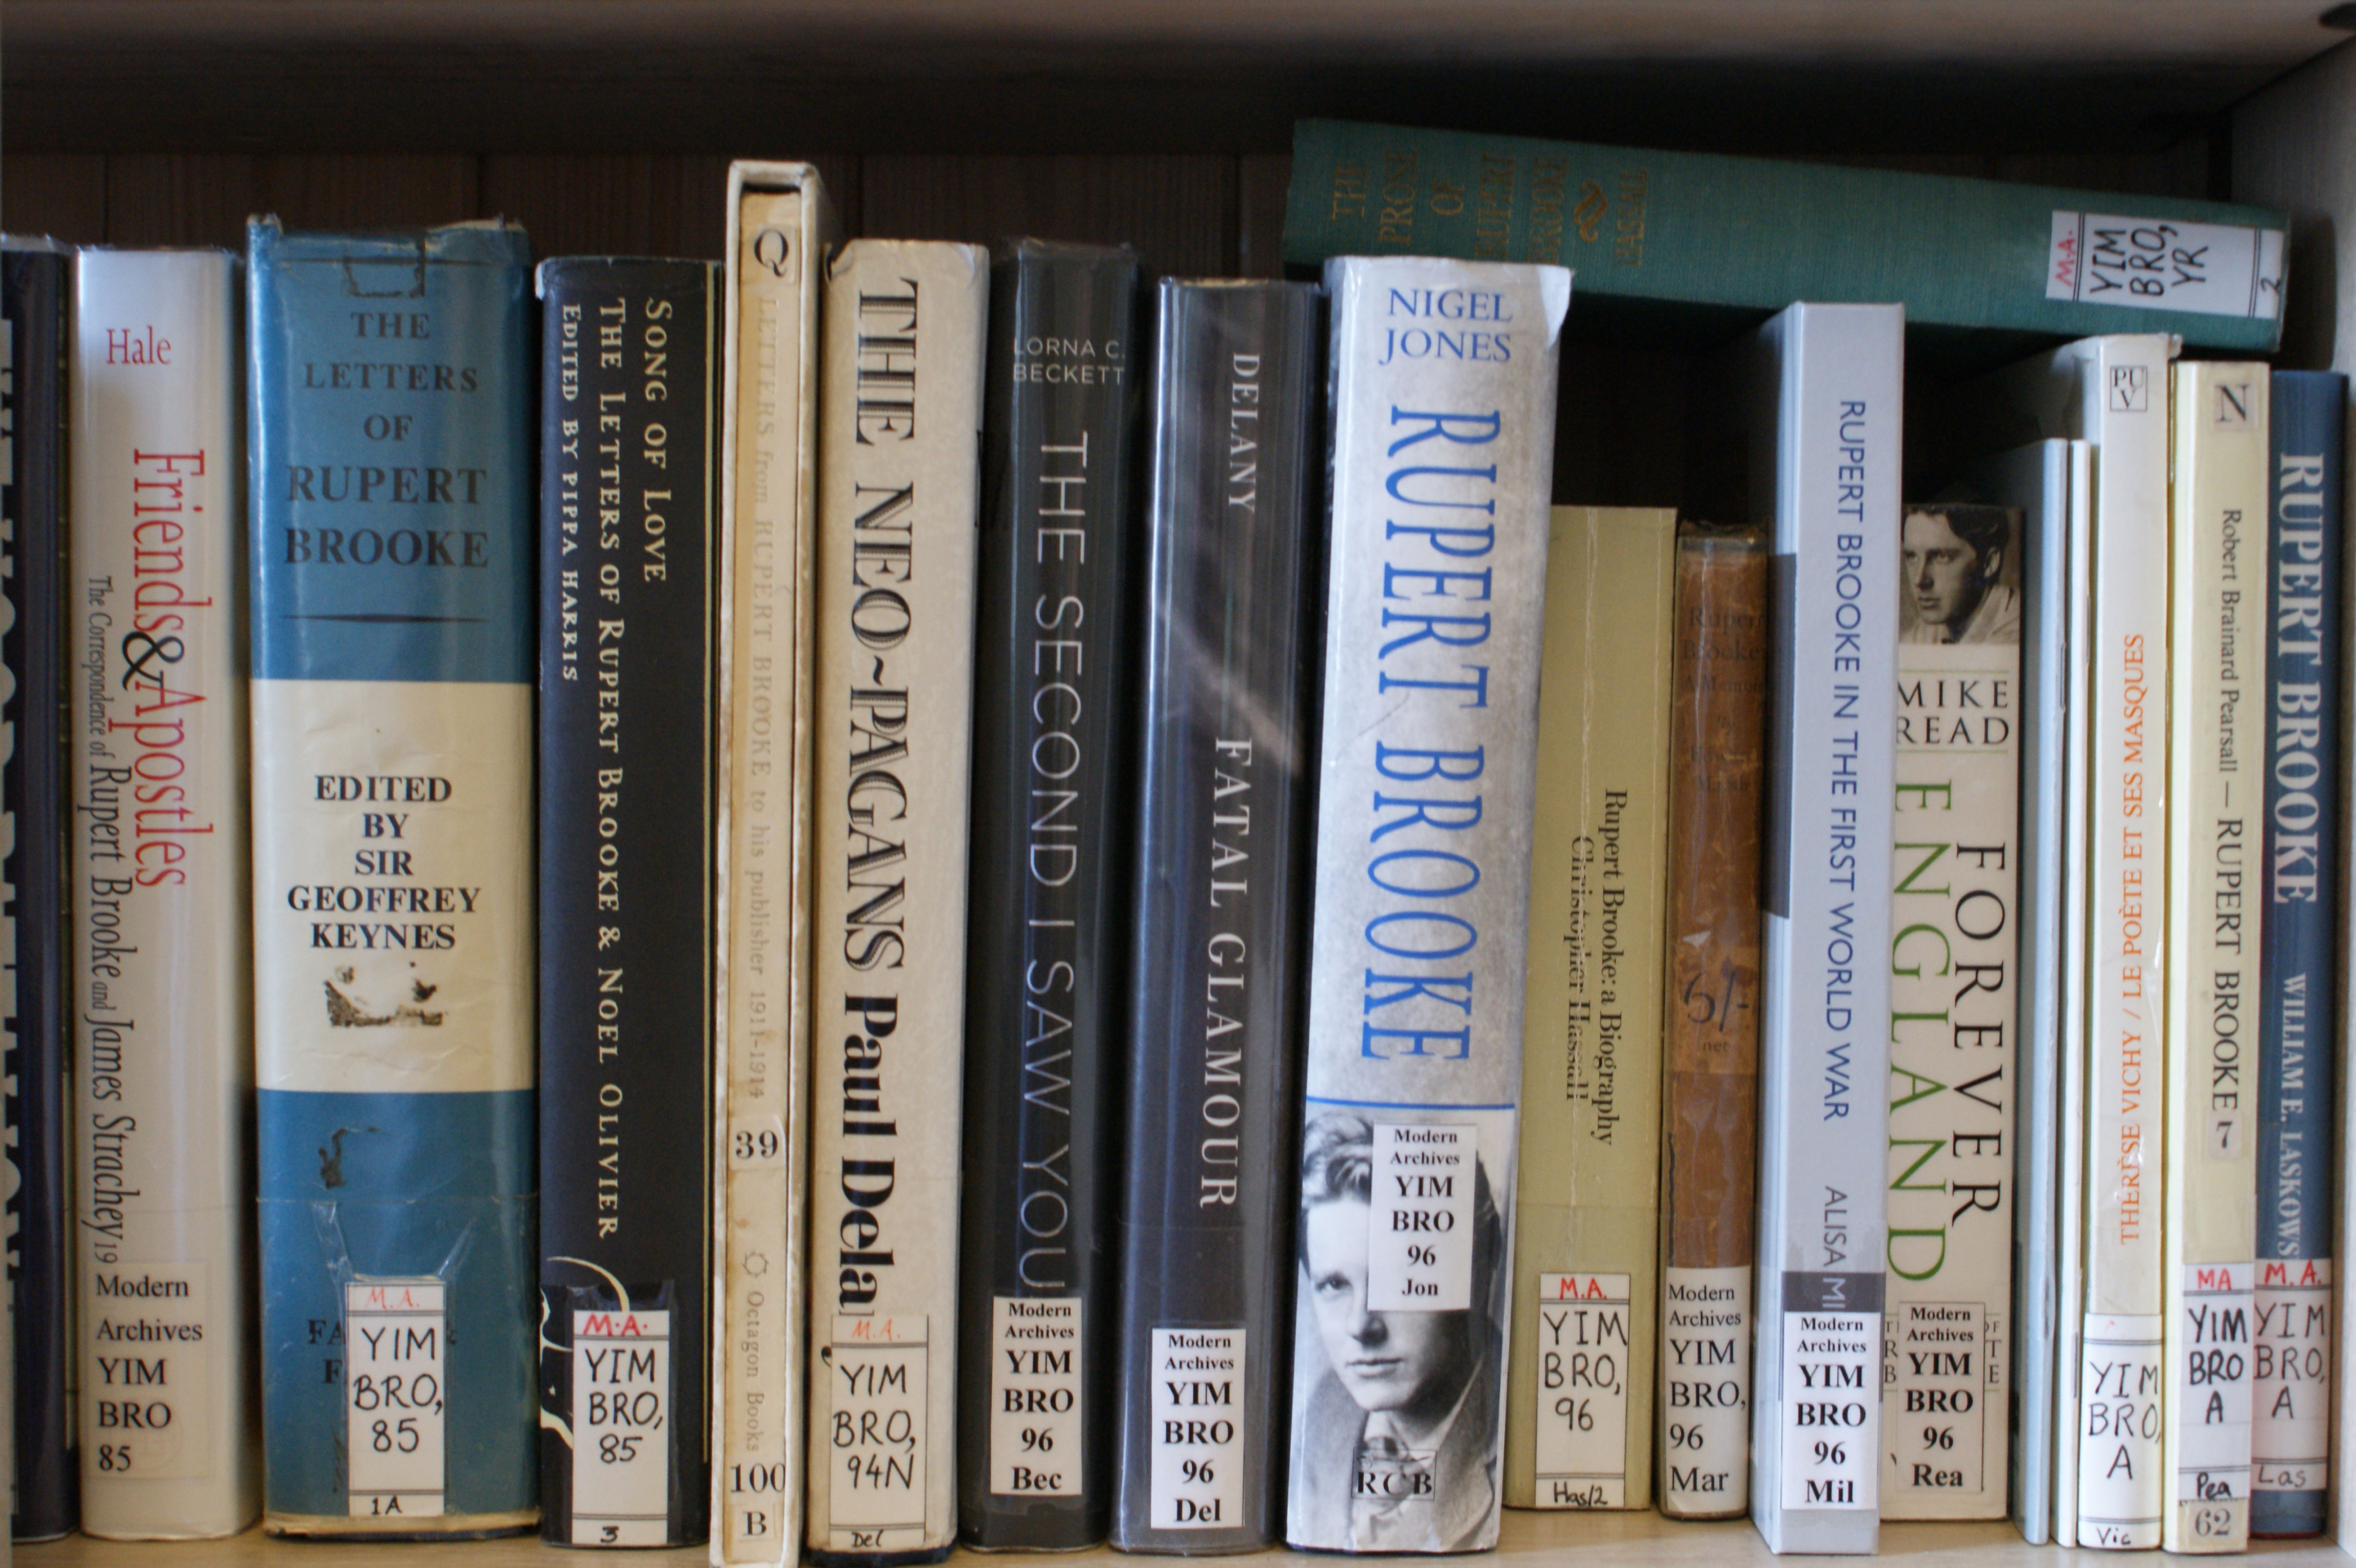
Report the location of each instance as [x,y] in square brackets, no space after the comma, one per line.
[1955,983]
[628,584]
[2073,1060]
[161,984]
[2290,1436]
[1047,899]
[2216,788]
[33,288]
[777,235]
[1709,1101]
[2121,386]
[392,490]
[900,414]
[1442,386]
[1731,235]
[1827,436]
[1215,981]
[1578,1390]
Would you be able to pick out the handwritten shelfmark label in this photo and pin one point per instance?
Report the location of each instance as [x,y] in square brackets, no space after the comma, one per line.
[2119,1382]
[1420,1225]
[2158,263]
[876,1372]
[1035,1396]
[2290,1428]
[621,1428]
[1197,1435]
[1582,1394]
[396,1335]
[2211,1398]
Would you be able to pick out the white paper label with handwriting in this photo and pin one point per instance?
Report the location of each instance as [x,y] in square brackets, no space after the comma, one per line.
[396,1337]
[621,1428]
[2156,264]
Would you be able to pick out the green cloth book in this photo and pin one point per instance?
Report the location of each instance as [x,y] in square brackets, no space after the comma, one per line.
[1706,243]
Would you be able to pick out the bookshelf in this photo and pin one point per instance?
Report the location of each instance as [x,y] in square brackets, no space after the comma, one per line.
[604,125]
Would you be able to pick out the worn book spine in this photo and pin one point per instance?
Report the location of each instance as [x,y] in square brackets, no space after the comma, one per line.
[35,287]
[1825,407]
[2216,922]
[1954,984]
[1578,1388]
[162,985]
[900,413]
[628,680]
[1218,912]
[1047,899]
[1724,238]
[162,988]
[393,551]
[2291,1430]
[778,228]
[1442,389]
[2113,394]
[1709,1095]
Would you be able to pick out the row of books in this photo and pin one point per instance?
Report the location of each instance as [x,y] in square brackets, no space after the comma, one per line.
[1019,967]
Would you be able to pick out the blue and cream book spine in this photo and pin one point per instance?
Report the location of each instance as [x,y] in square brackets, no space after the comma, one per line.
[628,691]
[1443,393]
[2292,1351]
[393,550]
[161,980]
[1826,419]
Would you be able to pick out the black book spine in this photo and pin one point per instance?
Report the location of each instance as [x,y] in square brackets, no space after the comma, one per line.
[1048,908]
[629,608]
[33,286]
[1215,995]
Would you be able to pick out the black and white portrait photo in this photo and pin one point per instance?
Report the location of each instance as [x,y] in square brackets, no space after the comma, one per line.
[1959,574]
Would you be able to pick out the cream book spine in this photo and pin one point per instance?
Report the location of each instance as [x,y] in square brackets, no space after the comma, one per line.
[1579,1400]
[1954,986]
[777,229]
[900,417]
[2217,752]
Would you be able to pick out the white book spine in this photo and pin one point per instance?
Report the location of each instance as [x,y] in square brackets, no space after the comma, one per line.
[162,949]
[2069,1298]
[769,473]
[901,411]
[1830,418]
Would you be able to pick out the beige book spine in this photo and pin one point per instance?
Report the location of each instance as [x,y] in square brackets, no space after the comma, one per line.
[1579,1399]
[1953,994]
[900,413]
[777,238]
[2217,740]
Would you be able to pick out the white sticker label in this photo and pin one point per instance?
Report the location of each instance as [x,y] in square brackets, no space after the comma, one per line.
[395,1337]
[1035,1396]
[1832,1409]
[2211,1396]
[1582,1394]
[621,1430]
[2155,264]
[1197,1436]
[1934,1381]
[877,1407]
[1704,1391]
[2119,1384]
[2290,1427]
[146,1380]
[1419,1227]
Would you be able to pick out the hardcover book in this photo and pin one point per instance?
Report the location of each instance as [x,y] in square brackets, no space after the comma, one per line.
[1664,239]
[1047,899]
[899,417]
[1710,1100]
[2216,922]
[162,979]
[1578,1386]
[2112,393]
[1218,915]
[628,584]
[1442,388]
[779,225]
[35,286]
[2291,1361]
[393,551]
[1954,982]
[1824,417]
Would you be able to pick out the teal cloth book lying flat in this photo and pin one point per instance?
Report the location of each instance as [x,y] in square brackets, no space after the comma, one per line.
[393,545]
[1707,243]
